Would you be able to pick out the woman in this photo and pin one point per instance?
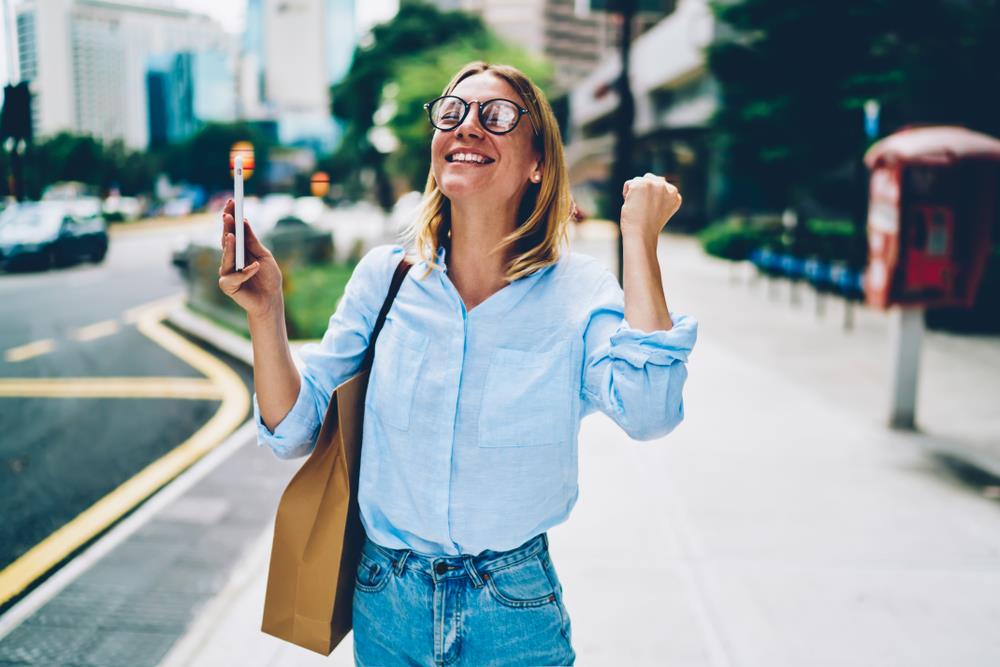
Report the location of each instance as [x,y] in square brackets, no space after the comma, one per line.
[497,344]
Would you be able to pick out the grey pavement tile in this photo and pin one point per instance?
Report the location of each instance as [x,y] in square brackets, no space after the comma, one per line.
[222,544]
[196,509]
[192,578]
[161,531]
[163,611]
[135,550]
[74,612]
[41,645]
[120,579]
[125,648]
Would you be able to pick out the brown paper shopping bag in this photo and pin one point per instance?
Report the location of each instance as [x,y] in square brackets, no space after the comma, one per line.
[317,531]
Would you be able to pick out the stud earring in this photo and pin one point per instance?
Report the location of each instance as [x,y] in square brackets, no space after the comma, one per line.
[536,178]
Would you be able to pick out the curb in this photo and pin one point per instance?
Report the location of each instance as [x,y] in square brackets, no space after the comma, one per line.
[208,332]
[244,435]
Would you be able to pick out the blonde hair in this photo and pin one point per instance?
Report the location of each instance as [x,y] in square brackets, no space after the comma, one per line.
[545,208]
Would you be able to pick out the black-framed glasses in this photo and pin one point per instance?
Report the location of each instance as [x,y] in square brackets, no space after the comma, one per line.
[497,116]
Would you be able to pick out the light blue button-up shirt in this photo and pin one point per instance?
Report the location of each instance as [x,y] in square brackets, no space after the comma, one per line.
[472,416]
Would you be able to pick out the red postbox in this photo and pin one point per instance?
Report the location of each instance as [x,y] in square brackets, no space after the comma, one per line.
[932,203]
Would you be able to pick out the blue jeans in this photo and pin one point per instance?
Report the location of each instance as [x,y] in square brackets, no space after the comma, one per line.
[497,608]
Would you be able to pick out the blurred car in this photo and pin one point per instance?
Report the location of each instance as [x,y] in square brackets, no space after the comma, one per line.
[129,208]
[309,209]
[45,234]
[295,242]
[290,239]
[177,207]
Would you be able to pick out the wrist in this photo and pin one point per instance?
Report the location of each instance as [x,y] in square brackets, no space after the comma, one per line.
[268,316]
[639,236]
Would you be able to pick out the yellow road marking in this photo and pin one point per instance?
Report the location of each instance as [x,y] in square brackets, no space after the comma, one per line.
[112,387]
[235,404]
[158,307]
[95,331]
[23,352]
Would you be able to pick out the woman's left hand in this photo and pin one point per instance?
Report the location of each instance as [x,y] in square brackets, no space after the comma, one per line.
[650,201]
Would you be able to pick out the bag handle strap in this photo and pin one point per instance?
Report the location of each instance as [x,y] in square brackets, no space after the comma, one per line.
[397,280]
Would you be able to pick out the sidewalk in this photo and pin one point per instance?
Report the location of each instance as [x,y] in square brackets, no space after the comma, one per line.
[780,525]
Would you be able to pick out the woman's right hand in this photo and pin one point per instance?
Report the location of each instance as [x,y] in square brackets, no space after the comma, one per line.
[256,289]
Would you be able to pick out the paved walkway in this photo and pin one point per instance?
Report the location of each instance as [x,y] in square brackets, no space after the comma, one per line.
[780,525]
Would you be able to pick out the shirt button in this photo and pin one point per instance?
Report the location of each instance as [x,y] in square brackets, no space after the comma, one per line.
[441,568]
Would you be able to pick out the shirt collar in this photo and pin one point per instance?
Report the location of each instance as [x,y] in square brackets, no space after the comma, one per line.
[440,257]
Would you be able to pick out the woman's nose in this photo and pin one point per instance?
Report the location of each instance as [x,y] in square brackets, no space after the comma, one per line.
[470,125]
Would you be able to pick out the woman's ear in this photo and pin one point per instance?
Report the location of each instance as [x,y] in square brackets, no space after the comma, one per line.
[536,173]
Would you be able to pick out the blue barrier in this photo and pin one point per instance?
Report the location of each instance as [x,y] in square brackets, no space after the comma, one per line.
[817,273]
[791,266]
[847,281]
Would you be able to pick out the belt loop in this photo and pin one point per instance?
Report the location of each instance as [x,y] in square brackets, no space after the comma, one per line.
[398,569]
[545,541]
[477,581]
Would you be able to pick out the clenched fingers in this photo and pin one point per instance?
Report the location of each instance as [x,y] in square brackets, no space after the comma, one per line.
[230,283]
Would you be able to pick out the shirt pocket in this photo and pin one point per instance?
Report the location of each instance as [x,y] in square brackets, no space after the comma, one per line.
[526,398]
[399,354]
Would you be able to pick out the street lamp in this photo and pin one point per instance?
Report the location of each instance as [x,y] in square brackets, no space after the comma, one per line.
[244,148]
[319,184]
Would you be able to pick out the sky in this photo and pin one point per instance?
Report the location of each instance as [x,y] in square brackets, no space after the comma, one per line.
[232,15]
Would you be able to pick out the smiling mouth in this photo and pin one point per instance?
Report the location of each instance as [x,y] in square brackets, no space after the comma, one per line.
[469,158]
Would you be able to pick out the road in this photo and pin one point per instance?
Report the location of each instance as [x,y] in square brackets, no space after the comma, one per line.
[92,391]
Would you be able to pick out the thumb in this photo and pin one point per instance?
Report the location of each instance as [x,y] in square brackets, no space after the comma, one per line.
[231,283]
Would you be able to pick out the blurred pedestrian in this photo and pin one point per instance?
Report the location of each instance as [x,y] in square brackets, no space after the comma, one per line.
[499,341]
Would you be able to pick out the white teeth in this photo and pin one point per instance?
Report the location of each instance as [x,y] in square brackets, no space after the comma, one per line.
[468,157]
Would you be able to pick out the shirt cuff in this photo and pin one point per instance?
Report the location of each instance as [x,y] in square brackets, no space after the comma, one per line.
[661,347]
[292,432]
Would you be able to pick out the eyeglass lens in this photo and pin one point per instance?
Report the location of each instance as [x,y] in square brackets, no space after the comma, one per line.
[496,115]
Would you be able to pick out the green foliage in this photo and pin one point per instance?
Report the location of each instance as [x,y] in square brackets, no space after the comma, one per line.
[417,80]
[832,240]
[828,240]
[203,159]
[311,296]
[406,62]
[71,157]
[794,76]
[735,239]
[415,29]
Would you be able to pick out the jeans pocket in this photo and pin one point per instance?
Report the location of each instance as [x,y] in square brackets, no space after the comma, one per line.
[399,354]
[522,584]
[527,398]
[373,573]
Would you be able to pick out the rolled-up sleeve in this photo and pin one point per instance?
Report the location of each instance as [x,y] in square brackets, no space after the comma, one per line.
[633,376]
[325,365]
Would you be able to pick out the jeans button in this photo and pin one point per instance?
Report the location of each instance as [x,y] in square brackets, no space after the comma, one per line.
[441,568]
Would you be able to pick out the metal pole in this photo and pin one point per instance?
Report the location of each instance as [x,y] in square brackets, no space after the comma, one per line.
[906,331]
[624,119]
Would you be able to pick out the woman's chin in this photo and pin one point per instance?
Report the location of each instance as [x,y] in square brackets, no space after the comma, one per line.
[460,186]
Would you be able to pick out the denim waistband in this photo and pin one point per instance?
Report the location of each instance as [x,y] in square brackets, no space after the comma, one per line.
[440,568]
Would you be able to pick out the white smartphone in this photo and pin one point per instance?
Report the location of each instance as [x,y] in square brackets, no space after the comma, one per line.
[238,213]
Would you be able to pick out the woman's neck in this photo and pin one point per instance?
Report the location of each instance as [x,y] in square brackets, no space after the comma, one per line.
[475,232]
